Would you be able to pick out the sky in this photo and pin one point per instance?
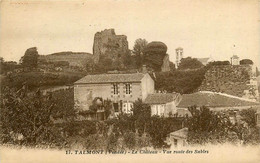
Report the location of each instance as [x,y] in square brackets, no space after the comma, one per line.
[202,28]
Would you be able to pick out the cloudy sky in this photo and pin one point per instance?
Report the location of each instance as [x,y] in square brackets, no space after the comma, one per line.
[201,27]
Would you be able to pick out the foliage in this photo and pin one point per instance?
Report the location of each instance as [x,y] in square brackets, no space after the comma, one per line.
[61,64]
[139,46]
[246,62]
[138,50]
[30,58]
[63,101]
[78,128]
[218,63]
[249,116]
[189,63]
[7,66]
[180,81]
[206,126]
[26,117]
[172,66]
[35,80]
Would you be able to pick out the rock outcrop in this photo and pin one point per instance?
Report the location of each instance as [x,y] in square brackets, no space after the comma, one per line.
[234,80]
[155,56]
[108,44]
[166,64]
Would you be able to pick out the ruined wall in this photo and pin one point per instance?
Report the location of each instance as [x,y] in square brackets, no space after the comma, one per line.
[107,43]
[166,64]
[234,80]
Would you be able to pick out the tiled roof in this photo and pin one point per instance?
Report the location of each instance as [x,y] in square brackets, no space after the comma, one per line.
[211,99]
[235,57]
[161,98]
[182,133]
[203,60]
[111,78]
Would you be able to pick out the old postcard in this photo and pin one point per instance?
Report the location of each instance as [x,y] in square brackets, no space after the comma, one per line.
[130,81]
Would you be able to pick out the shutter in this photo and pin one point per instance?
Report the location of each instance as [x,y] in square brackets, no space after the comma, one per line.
[112,89]
[130,91]
[124,89]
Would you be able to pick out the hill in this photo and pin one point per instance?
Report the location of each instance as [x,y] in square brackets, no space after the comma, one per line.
[73,58]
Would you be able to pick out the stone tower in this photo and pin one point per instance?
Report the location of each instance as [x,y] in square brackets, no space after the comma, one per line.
[108,44]
[179,56]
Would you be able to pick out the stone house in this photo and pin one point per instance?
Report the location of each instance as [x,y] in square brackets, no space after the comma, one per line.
[122,89]
[218,102]
[178,138]
[163,104]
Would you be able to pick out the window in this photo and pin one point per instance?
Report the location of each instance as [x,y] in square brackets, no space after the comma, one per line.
[175,142]
[115,89]
[128,88]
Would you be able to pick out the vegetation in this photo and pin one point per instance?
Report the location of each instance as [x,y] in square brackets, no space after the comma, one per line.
[33,119]
[180,81]
[30,58]
[26,119]
[189,63]
[40,79]
[7,66]
[219,63]
[138,50]
[206,127]
[246,62]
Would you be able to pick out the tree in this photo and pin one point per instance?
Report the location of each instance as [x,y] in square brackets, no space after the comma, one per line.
[172,66]
[189,63]
[139,46]
[138,50]
[30,58]
[26,118]
[206,126]
[249,116]
[218,63]
[180,81]
[246,62]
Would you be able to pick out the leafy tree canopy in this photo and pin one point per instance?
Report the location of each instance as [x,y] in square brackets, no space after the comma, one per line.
[246,62]
[189,63]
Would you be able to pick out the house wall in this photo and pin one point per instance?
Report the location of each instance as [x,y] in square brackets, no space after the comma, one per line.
[163,109]
[147,86]
[84,94]
[178,142]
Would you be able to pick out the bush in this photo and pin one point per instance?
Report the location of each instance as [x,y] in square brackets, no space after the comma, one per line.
[180,81]
[190,63]
[246,62]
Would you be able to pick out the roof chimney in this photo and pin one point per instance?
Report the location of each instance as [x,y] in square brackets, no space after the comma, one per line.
[144,69]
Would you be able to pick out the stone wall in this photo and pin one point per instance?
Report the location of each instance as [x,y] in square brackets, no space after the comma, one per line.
[234,80]
[107,43]
[166,64]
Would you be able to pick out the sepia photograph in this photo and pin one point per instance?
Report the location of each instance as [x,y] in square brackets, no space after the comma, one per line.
[129,81]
